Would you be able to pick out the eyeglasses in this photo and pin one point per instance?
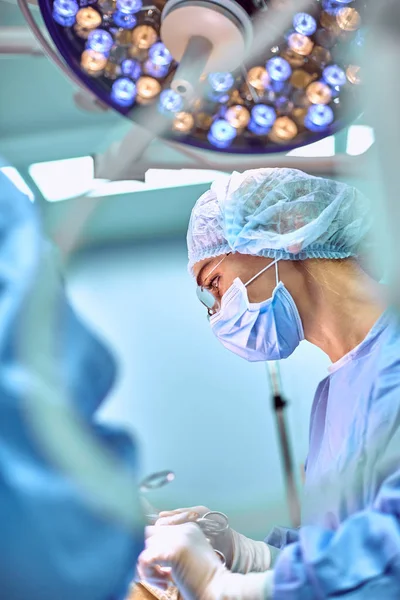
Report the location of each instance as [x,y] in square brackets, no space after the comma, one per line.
[208,300]
[206,297]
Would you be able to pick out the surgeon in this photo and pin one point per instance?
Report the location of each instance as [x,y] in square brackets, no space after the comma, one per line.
[280,256]
[59,539]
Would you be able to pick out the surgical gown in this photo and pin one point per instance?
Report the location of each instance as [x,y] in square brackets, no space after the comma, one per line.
[349,543]
[54,544]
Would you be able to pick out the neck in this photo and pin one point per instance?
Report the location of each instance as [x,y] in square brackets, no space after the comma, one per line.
[340,306]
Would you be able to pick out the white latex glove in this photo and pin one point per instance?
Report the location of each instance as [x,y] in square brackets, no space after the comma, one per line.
[195,569]
[242,554]
[181,515]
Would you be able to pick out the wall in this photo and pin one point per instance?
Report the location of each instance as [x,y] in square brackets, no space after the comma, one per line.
[196,408]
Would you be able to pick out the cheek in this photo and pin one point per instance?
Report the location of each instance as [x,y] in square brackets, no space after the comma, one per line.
[225,284]
[228,276]
[258,291]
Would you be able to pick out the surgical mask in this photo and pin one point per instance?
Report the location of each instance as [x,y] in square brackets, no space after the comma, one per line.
[268,330]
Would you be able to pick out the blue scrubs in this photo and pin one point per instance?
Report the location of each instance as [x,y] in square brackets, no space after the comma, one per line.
[349,543]
[53,544]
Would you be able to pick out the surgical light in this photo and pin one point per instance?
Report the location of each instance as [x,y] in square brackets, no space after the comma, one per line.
[215,90]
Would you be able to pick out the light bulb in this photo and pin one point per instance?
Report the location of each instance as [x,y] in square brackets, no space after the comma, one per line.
[221,82]
[353,74]
[100,40]
[144,36]
[319,93]
[183,122]
[278,69]
[237,116]
[88,18]
[129,7]
[284,129]
[331,6]
[170,102]
[124,20]
[319,116]
[334,75]
[262,119]
[93,62]
[258,78]
[304,24]
[148,87]
[160,55]
[301,44]
[123,91]
[348,19]
[221,133]
[65,8]
[64,12]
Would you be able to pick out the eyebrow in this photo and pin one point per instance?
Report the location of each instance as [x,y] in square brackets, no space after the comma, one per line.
[199,278]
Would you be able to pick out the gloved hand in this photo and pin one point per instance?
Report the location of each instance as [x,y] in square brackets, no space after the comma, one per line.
[221,540]
[181,515]
[242,554]
[195,568]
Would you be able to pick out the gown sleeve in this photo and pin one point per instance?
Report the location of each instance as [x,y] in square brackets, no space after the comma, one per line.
[55,544]
[278,538]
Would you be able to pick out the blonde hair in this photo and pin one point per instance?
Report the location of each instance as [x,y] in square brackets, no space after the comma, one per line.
[323,270]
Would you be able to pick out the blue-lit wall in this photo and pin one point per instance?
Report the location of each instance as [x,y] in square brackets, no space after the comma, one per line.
[196,408]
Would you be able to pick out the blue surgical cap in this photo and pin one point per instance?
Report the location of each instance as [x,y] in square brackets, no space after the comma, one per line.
[279,213]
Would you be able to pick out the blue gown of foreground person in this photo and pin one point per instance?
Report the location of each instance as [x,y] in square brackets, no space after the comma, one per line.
[349,543]
[54,545]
